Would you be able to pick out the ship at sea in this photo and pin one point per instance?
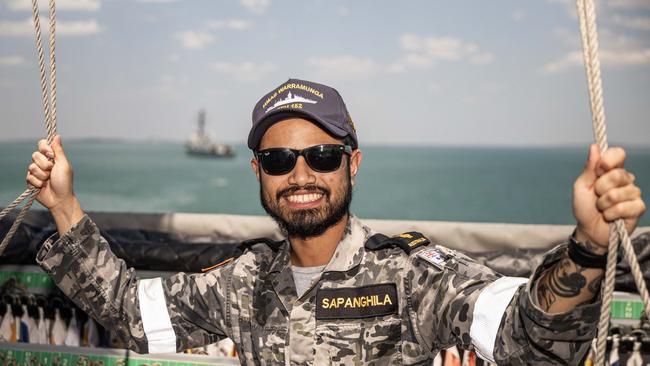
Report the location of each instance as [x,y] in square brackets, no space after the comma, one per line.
[201,143]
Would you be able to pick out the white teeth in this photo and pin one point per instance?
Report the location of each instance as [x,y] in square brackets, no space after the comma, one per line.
[304,198]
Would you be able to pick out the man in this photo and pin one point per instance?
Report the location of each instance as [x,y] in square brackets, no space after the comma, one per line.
[334,292]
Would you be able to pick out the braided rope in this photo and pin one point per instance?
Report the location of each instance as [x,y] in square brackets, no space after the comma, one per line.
[15,203]
[51,130]
[49,109]
[618,233]
[41,65]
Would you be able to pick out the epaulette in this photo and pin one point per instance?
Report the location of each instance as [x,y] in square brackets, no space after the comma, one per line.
[407,241]
[273,244]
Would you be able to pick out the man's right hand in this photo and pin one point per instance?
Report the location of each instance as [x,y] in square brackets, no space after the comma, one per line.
[51,172]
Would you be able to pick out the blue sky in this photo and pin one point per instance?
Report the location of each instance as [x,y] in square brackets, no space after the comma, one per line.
[421,72]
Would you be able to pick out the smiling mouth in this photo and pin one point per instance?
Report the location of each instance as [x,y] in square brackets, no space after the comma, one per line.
[304,198]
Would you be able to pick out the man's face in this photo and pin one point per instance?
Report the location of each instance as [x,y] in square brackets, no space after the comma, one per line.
[305,202]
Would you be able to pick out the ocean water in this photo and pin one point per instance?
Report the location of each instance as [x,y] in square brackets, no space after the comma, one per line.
[514,185]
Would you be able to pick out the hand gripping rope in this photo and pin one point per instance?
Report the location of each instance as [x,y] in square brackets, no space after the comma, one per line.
[49,108]
[617,232]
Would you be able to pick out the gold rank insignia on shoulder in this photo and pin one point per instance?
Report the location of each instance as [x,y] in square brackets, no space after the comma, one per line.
[410,240]
[407,241]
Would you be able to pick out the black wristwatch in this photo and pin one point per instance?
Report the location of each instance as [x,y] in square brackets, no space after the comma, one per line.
[581,256]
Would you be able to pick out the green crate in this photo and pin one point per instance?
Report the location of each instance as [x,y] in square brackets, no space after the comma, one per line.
[627,309]
[32,280]
[13,357]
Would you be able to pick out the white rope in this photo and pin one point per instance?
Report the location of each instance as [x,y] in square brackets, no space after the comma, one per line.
[618,233]
[49,109]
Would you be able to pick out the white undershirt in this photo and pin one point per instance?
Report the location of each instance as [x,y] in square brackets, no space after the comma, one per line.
[302,277]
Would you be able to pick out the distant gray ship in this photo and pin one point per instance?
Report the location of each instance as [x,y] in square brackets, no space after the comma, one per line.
[202,144]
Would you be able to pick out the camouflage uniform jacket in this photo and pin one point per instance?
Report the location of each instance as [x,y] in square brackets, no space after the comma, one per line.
[378,307]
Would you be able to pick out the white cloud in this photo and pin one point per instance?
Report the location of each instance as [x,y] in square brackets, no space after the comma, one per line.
[43,5]
[481,58]
[25,28]
[18,28]
[343,67]
[439,48]
[423,52]
[569,60]
[256,6]
[78,28]
[419,53]
[244,71]
[639,23]
[236,24]
[616,50]
[607,58]
[604,8]
[417,60]
[200,38]
[410,61]
[11,60]
[194,40]
[626,58]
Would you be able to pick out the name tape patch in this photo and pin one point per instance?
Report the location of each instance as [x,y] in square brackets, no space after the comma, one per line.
[356,302]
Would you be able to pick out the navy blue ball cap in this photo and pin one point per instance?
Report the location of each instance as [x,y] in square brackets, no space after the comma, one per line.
[318,103]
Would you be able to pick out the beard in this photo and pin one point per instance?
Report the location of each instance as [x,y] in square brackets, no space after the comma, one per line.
[308,223]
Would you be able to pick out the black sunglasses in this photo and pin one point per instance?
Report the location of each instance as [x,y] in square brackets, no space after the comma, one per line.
[321,158]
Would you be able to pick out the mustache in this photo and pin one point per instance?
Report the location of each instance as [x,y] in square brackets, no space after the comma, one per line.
[311,188]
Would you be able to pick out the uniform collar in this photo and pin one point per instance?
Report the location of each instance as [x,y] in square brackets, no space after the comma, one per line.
[349,252]
[347,255]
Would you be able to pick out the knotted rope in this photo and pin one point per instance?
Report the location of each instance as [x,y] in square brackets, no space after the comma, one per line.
[49,109]
[618,233]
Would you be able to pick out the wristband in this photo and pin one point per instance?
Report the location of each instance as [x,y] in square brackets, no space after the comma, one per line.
[583,257]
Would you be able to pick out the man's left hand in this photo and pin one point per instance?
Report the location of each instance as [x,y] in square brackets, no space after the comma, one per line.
[603,193]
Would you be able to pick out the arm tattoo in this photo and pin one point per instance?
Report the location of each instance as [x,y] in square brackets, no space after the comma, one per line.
[562,280]
[594,285]
[544,296]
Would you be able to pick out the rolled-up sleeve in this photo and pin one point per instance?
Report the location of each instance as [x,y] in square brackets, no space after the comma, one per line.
[529,335]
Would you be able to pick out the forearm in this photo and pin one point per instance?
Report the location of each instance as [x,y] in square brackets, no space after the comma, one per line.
[67,214]
[567,284]
[544,328]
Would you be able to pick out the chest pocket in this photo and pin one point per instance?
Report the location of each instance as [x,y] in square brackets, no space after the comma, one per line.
[358,323]
[265,344]
[346,342]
